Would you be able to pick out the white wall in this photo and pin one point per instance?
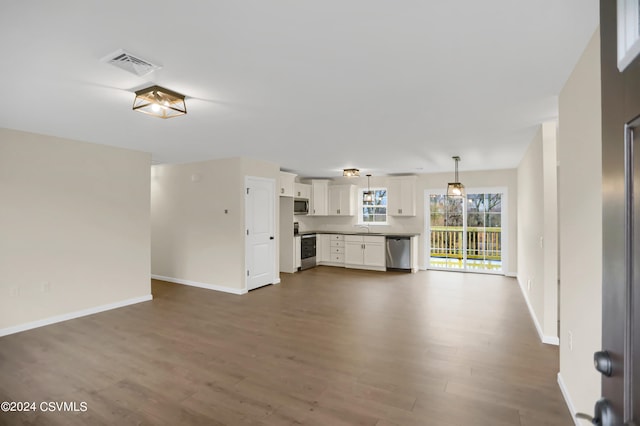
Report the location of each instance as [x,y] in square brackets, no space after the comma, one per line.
[416,224]
[537,236]
[580,188]
[74,228]
[198,223]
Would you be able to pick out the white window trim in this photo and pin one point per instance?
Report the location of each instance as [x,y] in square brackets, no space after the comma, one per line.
[628,35]
[361,192]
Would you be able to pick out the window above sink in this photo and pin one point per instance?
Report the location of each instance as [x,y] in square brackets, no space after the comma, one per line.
[372,210]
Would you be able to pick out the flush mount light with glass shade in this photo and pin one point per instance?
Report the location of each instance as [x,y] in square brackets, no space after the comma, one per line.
[455,189]
[159,102]
[351,172]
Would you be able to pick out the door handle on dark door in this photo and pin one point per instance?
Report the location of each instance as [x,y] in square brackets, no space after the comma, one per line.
[603,416]
[602,362]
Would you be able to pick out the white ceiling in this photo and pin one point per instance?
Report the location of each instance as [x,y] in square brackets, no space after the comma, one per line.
[315,86]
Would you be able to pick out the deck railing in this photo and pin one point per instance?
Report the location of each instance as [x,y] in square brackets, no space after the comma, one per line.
[482,243]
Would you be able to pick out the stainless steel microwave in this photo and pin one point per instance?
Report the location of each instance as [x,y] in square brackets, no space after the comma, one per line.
[300,206]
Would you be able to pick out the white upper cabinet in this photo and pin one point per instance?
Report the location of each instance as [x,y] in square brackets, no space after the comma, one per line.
[287,181]
[319,198]
[302,190]
[342,200]
[401,197]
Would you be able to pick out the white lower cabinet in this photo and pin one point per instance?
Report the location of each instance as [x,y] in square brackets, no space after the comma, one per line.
[337,249]
[364,252]
[323,248]
[374,254]
[353,251]
[330,249]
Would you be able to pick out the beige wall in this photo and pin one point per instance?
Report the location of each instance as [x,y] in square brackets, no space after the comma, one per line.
[537,226]
[531,226]
[197,220]
[550,231]
[425,182]
[580,183]
[74,227]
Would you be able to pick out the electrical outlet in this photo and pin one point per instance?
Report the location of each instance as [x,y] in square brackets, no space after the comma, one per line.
[46,287]
[529,284]
[14,291]
[570,338]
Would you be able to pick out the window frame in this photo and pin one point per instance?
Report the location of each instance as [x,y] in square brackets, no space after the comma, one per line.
[361,206]
[628,12]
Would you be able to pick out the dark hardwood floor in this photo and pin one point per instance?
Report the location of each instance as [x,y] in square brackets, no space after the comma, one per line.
[326,347]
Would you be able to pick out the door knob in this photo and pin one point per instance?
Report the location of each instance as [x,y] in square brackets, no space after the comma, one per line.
[602,416]
[271,238]
[602,362]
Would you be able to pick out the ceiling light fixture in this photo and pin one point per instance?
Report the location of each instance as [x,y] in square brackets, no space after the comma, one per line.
[367,196]
[159,102]
[455,189]
[351,172]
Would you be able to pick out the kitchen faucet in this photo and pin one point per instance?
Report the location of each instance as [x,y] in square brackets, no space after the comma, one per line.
[364,226]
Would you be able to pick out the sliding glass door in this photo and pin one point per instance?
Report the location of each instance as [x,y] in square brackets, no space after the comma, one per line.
[466,232]
[446,226]
[484,232]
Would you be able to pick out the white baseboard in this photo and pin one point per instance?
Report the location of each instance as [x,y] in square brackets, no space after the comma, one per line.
[368,268]
[549,340]
[567,399]
[201,285]
[72,315]
[277,281]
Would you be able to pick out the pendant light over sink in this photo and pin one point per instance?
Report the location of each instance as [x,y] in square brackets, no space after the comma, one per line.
[367,196]
[455,189]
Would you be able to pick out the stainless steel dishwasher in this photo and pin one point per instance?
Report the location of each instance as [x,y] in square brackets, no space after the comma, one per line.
[399,253]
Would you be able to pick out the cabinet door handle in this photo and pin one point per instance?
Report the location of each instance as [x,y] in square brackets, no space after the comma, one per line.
[400,211]
[282,190]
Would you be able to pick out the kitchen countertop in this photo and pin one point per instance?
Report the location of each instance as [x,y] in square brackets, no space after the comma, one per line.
[372,234]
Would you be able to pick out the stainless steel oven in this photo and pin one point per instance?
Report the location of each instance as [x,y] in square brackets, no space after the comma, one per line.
[308,251]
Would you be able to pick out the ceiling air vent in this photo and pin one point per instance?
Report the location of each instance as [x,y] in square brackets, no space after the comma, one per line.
[128,62]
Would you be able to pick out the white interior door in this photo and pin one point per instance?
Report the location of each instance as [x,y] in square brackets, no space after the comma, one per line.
[260,231]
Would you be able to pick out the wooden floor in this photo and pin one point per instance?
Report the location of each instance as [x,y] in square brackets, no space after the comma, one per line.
[326,347]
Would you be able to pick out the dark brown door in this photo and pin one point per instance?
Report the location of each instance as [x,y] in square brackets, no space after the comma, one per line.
[620,355]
